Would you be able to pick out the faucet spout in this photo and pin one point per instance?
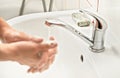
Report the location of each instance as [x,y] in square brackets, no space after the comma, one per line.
[57,22]
[97,42]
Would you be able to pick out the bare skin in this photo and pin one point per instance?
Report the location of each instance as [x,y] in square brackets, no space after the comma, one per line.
[23,48]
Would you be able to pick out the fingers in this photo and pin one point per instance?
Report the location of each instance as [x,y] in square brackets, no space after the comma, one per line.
[52,51]
[48,55]
[52,38]
[43,64]
[26,37]
[32,69]
[44,67]
[43,60]
[35,39]
[43,47]
[51,59]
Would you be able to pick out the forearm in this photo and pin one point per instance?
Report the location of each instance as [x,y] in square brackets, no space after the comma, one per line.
[3,26]
[5,53]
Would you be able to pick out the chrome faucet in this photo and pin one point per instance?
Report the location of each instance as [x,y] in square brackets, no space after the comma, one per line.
[99,28]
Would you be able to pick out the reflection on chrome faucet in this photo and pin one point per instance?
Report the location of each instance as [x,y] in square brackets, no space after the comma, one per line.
[100,26]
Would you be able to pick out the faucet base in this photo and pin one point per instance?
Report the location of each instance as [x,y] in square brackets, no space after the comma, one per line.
[97,50]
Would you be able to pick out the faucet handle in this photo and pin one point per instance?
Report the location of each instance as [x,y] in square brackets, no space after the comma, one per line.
[100,22]
[98,32]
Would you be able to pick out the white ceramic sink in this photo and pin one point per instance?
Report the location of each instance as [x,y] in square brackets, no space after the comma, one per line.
[68,63]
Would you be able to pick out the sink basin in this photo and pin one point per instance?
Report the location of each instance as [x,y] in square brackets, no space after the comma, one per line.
[74,59]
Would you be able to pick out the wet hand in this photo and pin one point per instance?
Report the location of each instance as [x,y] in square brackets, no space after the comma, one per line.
[47,59]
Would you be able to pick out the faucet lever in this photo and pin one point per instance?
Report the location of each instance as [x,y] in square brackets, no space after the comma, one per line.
[98,32]
[101,22]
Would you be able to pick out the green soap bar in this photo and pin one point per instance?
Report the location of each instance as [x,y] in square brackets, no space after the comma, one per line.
[81,19]
[83,23]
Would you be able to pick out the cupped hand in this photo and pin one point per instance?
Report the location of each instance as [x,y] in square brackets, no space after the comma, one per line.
[27,52]
[47,59]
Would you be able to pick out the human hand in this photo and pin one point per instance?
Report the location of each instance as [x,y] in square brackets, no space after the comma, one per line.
[9,34]
[46,60]
[26,52]
[12,35]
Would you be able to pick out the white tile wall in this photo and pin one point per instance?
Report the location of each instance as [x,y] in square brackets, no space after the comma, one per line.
[85,4]
[110,9]
[67,4]
[10,8]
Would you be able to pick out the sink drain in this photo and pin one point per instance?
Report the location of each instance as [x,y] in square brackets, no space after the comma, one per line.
[81,58]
